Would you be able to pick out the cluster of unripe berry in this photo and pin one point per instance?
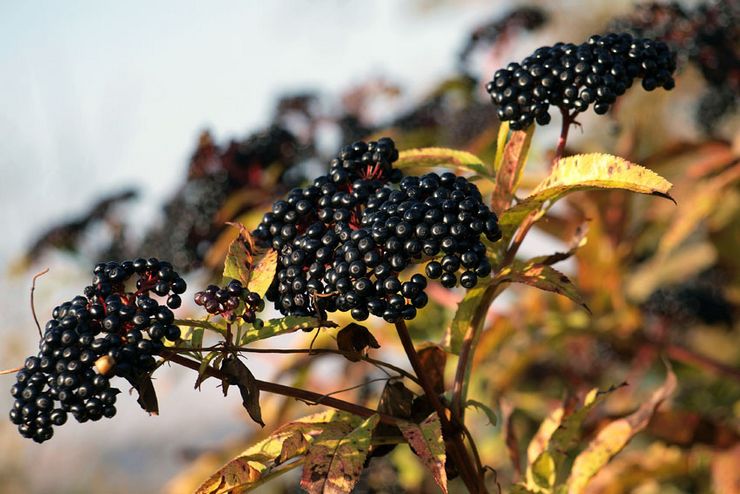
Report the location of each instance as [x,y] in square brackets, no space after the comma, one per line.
[343,241]
[107,332]
[573,77]
[225,301]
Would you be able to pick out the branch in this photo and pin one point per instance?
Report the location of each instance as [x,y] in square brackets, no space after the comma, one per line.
[280,389]
[310,351]
[455,446]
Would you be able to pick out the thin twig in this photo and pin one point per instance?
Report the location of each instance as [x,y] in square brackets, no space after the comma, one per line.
[33,307]
[280,389]
[361,385]
[11,371]
[309,351]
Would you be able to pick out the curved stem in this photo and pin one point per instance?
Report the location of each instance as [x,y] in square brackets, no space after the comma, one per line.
[455,446]
[464,362]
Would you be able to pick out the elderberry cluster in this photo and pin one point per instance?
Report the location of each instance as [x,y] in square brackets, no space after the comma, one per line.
[573,77]
[225,301]
[707,35]
[343,241]
[108,332]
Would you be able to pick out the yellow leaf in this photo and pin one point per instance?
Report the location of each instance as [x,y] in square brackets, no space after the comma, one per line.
[615,436]
[336,458]
[263,273]
[510,169]
[583,172]
[443,157]
[427,442]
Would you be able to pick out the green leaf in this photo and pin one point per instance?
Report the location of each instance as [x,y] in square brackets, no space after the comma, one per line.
[202,376]
[503,133]
[427,442]
[466,310]
[267,458]
[542,471]
[492,419]
[335,459]
[284,325]
[583,172]
[557,435]
[510,169]
[611,439]
[542,277]
[260,278]
[442,157]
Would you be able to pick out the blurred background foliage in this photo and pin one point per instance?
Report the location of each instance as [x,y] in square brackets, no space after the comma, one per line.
[661,279]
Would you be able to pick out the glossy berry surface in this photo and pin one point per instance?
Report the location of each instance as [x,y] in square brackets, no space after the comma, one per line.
[344,241]
[574,77]
[116,329]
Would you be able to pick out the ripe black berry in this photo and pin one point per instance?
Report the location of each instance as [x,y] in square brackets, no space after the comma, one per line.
[572,77]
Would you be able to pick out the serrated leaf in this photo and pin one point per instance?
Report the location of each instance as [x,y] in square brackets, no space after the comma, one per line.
[583,172]
[284,325]
[510,169]
[335,459]
[257,464]
[239,375]
[260,278]
[442,157]
[427,442]
[542,277]
[492,418]
[611,439]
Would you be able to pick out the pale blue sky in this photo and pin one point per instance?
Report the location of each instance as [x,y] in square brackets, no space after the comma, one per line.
[95,94]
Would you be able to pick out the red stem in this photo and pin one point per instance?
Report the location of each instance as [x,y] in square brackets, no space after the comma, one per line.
[567,121]
[455,447]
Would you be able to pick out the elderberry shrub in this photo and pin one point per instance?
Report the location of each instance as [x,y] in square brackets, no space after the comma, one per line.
[573,77]
[225,301]
[108,332]
[343,241]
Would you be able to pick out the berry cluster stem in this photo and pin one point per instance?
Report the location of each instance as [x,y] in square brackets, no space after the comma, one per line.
[453,439]
[565,127]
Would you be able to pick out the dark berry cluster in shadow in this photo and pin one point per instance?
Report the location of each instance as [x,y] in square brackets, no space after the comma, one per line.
[574,77]
[227,301]
[344,241]
[107,332]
